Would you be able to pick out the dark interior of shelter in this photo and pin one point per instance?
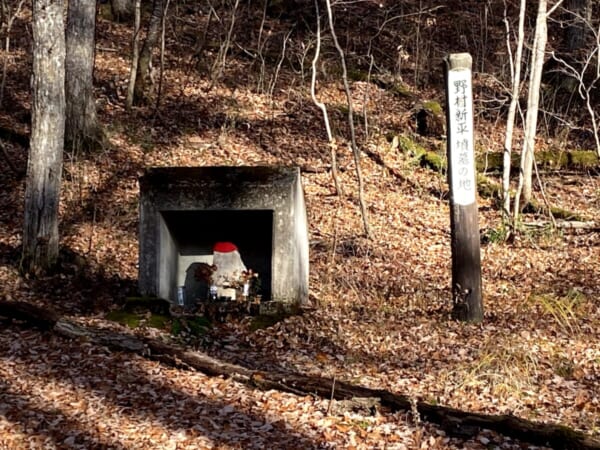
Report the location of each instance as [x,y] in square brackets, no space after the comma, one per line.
[194,234]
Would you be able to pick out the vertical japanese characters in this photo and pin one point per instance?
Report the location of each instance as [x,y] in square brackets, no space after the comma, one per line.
[461,137]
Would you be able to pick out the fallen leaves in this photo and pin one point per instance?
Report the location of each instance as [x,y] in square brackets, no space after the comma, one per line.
[382,319]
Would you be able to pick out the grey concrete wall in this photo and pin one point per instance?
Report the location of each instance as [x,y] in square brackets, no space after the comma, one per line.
[301,241]
[148,239]
[278,189]
[167,262]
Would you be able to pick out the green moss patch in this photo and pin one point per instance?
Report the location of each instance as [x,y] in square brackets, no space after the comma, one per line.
[547,159]
[124,318]
[586,159]
[158,321]
[400,90]
[487,188]
[494,162]
[135,320]
[410,147]
[433,161]
[433,107]
[358,75]
[558,213]
[436,160]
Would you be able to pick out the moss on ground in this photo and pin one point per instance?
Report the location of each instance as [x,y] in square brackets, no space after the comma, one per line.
[487,188]
[436,160]
[584,159]
[158,321]
[433,107]
[263,321]
[433,161]
[135,320]
[558,213]
[358,75]
[546,159]
[410,147]
[400,90]
[124,318]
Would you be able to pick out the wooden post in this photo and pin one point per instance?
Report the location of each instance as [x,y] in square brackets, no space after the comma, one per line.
[466,260]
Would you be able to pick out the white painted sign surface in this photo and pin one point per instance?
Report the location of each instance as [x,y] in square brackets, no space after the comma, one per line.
[460,110]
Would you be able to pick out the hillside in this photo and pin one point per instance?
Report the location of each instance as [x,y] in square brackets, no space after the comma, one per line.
[380,313]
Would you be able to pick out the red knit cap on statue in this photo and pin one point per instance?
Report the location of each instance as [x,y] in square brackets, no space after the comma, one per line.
[224,247]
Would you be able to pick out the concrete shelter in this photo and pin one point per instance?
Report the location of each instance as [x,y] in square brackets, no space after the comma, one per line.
[185,210]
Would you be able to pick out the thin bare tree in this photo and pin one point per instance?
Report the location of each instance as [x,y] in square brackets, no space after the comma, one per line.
[144,78]
[515,69]
[323,108]
[585,71]
[136,54]
[524,189]
[221,60]
[162,57]
[355,150]
[11,16]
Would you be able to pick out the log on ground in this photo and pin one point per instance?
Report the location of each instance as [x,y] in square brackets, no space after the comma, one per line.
[454,421]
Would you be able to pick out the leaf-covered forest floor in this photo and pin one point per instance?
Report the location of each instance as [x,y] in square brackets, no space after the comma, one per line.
[380,315]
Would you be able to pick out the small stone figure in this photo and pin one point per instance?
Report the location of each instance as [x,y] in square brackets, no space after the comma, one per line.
[229,268]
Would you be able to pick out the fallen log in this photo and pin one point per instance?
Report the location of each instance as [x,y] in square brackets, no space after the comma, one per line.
[454,421]
[566,225]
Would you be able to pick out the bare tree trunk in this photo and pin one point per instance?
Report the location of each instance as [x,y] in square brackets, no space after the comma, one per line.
[355,151]
[82,130]
[143,79]
[580,13]
[533,101]
[581,66]
[11,16]
[44,168]
[524,190]
[162,57]
[323,108]
[221,59]
[512,109]
[136,54]
[122,10]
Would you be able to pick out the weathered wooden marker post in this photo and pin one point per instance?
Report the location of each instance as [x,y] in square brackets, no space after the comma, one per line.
[466,260]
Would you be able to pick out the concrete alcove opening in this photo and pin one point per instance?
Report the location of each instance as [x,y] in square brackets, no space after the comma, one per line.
[184,211]
[192,235]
